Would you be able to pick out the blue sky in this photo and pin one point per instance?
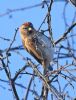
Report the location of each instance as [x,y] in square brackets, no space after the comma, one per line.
[34,15]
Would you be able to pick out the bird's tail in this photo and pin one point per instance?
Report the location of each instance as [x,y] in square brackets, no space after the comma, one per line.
[47,67]
[50,67]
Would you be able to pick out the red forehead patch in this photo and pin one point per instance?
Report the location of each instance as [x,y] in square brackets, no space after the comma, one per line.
[27,24]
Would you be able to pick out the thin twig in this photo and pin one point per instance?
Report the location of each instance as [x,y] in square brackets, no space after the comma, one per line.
[65,34]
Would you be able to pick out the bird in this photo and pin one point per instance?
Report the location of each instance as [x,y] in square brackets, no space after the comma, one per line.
[38,45]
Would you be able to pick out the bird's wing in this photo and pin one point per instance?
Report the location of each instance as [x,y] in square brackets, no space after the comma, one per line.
[45,44]
[43,40]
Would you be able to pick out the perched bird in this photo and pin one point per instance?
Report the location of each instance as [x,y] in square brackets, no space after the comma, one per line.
[38,45]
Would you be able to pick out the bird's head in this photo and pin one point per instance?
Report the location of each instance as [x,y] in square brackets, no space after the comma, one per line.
[26,28]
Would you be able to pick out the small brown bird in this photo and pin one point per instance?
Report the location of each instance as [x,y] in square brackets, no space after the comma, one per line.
[38,45]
